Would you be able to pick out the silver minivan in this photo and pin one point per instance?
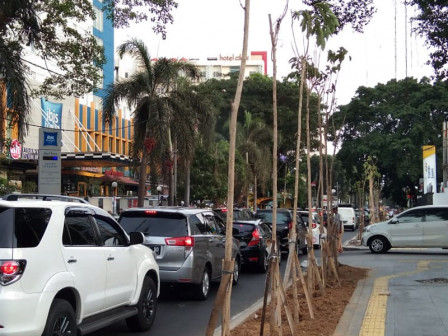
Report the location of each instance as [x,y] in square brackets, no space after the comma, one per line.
[423,226]
[189,244]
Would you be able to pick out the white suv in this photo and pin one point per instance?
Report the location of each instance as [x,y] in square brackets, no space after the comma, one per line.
[70,269]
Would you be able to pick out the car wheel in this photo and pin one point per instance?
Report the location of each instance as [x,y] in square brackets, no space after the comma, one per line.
[61,319]
[263,263]
[147,307]
[378,245]
[236,271]
[203,288]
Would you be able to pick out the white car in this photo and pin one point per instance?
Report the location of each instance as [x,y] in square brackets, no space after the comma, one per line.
[69,269]
[424,226]
[317,235]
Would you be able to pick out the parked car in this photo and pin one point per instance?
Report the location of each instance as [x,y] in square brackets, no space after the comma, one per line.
[423,226]
[69,268]
[44,197]
[238,213]
[189,244]
[255,239]
[315,228]
[284,224]
[348,217]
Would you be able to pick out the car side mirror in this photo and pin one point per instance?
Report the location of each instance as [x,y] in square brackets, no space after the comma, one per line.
[136,238]
[394,220]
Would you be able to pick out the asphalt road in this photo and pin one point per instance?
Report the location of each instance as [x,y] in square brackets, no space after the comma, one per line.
[179,314]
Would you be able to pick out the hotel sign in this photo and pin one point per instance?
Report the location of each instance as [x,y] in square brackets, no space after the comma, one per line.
[49,165]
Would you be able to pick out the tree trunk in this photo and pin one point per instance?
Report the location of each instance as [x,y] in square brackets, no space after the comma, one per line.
[187,183]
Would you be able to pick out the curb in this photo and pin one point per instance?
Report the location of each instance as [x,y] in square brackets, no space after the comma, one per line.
[352,318]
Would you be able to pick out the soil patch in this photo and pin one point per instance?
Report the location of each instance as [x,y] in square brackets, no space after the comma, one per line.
[328,309]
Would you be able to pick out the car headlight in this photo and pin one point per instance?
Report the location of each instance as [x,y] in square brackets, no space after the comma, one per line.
[366,229]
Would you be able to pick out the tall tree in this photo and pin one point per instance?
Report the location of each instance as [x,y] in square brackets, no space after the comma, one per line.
[432,23]
[160,111]
[51,28]
[392,122]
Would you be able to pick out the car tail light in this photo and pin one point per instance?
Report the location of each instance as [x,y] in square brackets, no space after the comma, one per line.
[180,241]
[314,225]
[290,225]
[151,212]
[11,271]
[255,238]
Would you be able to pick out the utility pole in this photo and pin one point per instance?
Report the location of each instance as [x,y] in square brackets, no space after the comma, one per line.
[445,152]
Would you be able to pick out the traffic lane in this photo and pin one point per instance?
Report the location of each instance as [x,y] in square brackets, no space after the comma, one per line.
[178,313]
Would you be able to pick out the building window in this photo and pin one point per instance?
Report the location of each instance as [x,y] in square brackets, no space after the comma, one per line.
[98,22]
[234,69]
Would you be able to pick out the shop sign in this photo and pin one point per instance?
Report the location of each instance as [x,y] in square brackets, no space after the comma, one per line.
[15,149]
[30,153]
[113,173]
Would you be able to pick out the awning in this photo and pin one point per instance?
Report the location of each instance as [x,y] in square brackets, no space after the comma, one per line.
[126,180]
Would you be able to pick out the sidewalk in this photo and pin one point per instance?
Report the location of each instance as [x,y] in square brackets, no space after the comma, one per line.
[405,295]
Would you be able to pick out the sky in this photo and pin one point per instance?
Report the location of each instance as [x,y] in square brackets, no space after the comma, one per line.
[203,28]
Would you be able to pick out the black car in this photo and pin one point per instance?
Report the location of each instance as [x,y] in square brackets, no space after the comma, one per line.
[284,224]
[255,238]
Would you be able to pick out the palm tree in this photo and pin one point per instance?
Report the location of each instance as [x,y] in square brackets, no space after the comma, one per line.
[165,109]
[15,101]
[256,143]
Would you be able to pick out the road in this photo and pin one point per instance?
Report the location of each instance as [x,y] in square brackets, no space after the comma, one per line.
[178,313]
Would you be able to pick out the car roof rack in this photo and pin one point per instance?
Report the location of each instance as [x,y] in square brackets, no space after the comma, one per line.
[44,197]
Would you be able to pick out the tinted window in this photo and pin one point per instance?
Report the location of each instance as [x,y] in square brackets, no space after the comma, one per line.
[7,227]
[78,231]
[109,235]
[30,226]
[153,223]
[242,228]
[433,215]
[23,227]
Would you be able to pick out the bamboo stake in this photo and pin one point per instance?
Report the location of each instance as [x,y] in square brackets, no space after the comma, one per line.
[231,179]
[305,288]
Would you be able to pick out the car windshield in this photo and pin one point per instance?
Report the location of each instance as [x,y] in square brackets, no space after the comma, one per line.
[153,223]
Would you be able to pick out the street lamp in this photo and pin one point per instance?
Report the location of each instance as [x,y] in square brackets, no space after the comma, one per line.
[114,200]
[159,190]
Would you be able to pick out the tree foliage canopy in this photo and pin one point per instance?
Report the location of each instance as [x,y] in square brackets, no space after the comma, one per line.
[432,22]
[392,122]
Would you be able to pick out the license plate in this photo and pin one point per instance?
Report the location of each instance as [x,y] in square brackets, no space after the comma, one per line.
[156,249]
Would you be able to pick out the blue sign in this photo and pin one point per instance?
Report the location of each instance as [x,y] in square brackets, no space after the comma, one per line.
[51,114]
[50,138]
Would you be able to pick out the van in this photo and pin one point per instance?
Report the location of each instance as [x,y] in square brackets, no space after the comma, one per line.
[423,226]
[348,218]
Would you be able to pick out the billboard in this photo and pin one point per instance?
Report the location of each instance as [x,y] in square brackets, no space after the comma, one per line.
[429,169]
[51,114]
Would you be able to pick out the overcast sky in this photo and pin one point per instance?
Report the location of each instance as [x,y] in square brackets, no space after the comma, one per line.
[204,28]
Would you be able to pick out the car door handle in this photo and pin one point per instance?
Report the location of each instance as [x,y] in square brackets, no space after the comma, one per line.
[71,261]
[110,258]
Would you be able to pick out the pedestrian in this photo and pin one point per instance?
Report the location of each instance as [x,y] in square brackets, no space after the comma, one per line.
[339,227]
